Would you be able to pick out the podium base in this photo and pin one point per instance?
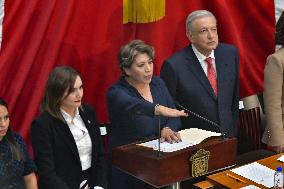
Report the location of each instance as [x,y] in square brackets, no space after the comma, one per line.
[174,186]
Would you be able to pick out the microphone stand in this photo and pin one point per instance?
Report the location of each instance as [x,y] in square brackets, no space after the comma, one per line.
[159,139]
[204,119]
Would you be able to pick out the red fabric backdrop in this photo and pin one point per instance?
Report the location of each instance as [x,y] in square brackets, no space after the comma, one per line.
[40,34]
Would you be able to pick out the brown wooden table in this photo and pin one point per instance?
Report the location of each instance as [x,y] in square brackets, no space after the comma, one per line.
[223,181]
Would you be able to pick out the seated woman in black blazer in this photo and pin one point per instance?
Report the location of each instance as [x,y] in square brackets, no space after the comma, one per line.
[66,139]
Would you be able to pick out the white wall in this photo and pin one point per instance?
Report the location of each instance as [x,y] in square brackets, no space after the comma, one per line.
[279,8]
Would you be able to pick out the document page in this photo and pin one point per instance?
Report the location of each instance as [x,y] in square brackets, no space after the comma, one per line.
[197,135]
[167,147]
[281,158]
[189,137]
[257,173]
[250,187]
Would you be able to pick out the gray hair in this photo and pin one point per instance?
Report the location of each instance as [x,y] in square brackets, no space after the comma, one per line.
[196,14]
[129,51]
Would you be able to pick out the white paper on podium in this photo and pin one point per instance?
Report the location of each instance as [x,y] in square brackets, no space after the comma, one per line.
[197,135]
[167,147]
[256,172]
[189,137]
[281,158]
[250,187]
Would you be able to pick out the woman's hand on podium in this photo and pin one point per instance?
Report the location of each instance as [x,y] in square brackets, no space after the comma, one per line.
[168,135]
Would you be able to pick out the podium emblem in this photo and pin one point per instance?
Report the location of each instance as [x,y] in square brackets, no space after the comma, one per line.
[199,163]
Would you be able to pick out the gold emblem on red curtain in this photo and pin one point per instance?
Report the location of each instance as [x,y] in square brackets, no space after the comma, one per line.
[143,11]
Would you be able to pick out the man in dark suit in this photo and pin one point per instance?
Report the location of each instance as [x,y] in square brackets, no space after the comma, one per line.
[204,76]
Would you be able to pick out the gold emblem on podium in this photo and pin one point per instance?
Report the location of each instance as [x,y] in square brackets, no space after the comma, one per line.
[199,163]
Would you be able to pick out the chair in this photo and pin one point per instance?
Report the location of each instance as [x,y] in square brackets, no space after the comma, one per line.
[251,125]
[250,128]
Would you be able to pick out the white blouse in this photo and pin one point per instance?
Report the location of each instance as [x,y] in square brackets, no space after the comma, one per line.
[81,136]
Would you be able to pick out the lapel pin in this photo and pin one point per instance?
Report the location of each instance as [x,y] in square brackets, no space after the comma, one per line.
[89,121]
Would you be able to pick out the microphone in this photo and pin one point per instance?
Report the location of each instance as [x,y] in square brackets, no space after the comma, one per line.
[202,118]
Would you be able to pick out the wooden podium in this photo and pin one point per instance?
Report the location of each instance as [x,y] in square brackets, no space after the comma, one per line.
[144,164]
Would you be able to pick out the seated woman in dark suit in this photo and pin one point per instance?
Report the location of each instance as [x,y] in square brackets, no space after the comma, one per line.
[17,170]
[66,139]
[136,101]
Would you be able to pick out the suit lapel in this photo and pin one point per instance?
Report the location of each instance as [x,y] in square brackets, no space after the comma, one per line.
[221,65]
[89,123]
[67,137]
[194,66]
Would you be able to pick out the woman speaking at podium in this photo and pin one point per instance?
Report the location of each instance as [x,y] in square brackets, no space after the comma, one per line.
[137,104]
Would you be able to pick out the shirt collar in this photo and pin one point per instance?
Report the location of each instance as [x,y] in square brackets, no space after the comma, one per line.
[200,56]
[67,117]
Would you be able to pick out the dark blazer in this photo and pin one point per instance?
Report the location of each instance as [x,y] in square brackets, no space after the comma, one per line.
[56,153]
[132,117]
[188,84]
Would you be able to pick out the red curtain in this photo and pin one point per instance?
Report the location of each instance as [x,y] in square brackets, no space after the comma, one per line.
[41,34]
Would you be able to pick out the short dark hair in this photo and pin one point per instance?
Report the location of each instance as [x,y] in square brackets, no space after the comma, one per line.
[14,147]
[129,51]
[60,80]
